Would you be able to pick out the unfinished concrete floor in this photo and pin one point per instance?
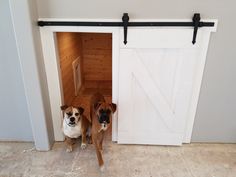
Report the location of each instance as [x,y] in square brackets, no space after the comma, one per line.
[193,160]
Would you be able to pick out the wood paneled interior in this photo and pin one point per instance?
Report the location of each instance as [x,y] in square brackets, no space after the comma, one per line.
[69,48]
[90,87]
[95,51]
[97,56]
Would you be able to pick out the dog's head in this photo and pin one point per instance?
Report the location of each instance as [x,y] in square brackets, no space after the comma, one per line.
[104,112]
[71,115]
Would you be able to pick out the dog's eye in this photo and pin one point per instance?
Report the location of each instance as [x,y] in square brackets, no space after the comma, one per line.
[77,114]
[108,111]
[69,114]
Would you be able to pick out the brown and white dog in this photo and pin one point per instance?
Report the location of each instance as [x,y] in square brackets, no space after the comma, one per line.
[74,125]
[101,114]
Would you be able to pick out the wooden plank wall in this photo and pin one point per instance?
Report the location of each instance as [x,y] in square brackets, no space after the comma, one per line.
[97,56]
[70,48]
[95,52]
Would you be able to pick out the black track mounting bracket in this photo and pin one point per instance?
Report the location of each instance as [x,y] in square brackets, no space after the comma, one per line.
[196,24]
[125,20]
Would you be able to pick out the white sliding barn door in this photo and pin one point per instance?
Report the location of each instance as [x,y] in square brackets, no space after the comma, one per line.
[159,73]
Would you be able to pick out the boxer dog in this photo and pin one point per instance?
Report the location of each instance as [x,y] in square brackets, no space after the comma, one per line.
[101,114]
[74,125]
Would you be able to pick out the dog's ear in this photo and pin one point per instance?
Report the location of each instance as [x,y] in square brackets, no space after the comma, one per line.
[96,105]
[81,110]
[113,107]
[64,107]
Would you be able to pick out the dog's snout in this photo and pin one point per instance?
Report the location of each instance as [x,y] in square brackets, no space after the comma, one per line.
[104,119]
[72,119]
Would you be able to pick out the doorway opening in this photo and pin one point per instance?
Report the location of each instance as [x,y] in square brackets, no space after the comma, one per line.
[85,66]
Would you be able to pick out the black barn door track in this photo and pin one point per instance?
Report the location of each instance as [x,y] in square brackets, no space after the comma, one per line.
[196,23]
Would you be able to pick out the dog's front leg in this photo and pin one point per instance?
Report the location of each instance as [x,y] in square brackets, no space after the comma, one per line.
[83,144]
[99,155]
[69,144]
[100,143]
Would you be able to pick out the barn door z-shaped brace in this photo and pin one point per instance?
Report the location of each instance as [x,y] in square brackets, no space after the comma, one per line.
[196,23]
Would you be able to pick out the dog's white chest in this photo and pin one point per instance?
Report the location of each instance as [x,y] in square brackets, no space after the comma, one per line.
[72,132]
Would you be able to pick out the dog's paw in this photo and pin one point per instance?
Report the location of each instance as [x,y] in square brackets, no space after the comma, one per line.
[83,146]
[102,168]
[69,149]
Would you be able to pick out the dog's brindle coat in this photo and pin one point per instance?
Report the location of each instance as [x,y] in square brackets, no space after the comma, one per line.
[80,128]
[101,114]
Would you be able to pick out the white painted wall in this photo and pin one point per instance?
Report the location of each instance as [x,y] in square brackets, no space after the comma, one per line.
[24,18]
[15,122]
[215,119]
